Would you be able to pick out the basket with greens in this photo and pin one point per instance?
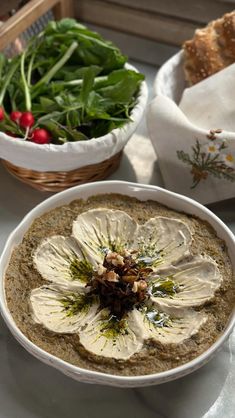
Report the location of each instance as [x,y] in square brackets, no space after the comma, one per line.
[69,102]
[68,85]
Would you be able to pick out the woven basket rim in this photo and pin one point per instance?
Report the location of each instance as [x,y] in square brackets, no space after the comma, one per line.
[55,181]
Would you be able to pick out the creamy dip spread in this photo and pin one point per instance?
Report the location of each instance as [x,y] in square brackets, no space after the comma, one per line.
[120,286]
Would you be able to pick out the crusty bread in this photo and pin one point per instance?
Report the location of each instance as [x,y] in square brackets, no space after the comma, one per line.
[211,49]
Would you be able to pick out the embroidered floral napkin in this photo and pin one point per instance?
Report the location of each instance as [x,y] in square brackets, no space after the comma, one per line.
[195,140]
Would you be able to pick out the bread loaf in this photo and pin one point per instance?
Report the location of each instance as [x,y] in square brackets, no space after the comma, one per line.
[211,49]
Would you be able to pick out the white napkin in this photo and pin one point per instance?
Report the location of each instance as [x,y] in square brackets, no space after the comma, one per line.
[193,160]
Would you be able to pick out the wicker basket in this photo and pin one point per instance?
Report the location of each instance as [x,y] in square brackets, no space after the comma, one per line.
[13,36]
[56,181]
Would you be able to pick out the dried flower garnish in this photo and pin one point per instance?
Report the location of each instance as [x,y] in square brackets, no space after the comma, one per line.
[122,285]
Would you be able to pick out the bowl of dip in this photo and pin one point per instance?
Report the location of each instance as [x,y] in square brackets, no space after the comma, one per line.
[119,283]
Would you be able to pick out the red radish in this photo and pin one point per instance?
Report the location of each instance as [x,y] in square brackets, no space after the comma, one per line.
[11,134]
[40,136]
[1,113]
[15,116]
[26,120]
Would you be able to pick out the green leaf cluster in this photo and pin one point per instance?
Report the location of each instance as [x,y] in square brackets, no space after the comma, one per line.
[72,80]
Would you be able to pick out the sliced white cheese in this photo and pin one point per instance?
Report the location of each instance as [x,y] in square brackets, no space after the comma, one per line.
[54,259]
[162,241]
[103,338]
[196,283]
[100,230]
[171,326]
[61,311]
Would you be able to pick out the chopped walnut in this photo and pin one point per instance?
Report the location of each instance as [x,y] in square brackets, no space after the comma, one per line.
[111,276]
[139,285]
[126,253]
[142,285]
[101,270]
[129,278]
[115,259]
[120,283]
[135,287]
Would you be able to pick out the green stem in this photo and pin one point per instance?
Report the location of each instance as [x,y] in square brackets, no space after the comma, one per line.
[30,67]
[79,82]
[26,87]
[13,103]
[7,81]
[50,74]
[195,183]
[2,63]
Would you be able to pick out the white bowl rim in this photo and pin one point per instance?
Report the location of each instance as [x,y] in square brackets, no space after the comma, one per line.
[62,365]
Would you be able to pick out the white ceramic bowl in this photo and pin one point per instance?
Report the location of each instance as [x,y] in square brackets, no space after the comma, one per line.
[142,192]
[73,155]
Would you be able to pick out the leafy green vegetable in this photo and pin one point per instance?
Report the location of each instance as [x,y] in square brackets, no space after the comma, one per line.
[121,86]
[2,64]
[72,80]
[88,81]
[7,78]
[78,73]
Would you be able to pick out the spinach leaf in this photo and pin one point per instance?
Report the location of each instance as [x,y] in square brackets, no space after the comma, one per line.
[88,81]
[121,86]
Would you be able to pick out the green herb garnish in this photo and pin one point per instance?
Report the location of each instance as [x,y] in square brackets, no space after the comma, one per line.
[81,270]
[73,304]
[113,327]
[156,318]
[163,287]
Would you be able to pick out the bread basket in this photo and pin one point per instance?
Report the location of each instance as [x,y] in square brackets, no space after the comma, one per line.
[170,79]
[184,145]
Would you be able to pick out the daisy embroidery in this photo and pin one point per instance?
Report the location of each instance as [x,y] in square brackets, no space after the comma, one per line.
[229,160]
[209,159]
[212,148]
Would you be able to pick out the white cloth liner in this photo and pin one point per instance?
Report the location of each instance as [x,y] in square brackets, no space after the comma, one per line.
[176,127]
[72,155]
